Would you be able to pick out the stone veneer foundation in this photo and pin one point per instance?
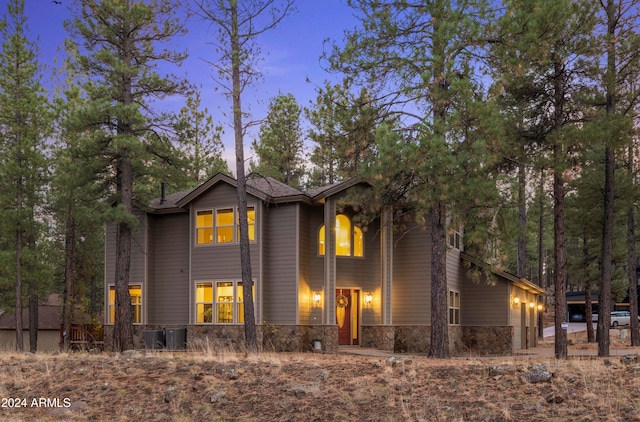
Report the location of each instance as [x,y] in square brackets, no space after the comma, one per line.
[271,337]
[465,340]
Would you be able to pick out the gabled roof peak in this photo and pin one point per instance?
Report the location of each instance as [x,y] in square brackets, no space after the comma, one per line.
[266,188]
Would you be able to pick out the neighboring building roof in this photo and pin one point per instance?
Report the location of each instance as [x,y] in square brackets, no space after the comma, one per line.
[522,283]
[48,318]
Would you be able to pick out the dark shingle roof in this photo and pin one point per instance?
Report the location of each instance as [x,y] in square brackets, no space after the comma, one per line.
[272,187]
[170,200]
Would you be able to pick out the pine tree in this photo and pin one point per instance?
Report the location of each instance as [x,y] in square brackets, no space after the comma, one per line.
[280,148]
[343,130]
[236,42]
[416,56]
[541,45]
[23,129]
[199,141]
[118,44]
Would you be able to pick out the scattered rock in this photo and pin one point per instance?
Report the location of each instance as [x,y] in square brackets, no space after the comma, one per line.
[553,398]
[170,394]
[538,373]
[495,370]
[629,359]
[217,396]
[393,361]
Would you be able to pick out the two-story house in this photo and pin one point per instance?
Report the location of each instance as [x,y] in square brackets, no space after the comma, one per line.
[347,285]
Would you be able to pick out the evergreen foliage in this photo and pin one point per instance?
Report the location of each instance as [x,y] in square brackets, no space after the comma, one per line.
[24,126]
[280,148]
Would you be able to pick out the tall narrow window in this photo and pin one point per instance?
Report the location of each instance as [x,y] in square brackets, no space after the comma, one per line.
[224,225]
[204,227]
[349,238]
[135,291]
[251,219]
[358,246]
[224,302]
[343,235]
[454,307]
[204,302]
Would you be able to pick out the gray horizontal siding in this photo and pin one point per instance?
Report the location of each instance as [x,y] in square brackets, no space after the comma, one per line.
[280,268]
[220,261]
[304,266]
[483,304]
[168,287]
[412,278]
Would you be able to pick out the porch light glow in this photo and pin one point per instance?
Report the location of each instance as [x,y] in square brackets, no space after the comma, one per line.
[316,297]
[516,300]
[540,307]
[368,298]
[532,305]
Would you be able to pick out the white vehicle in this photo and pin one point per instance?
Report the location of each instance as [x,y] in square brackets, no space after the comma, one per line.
[617,318]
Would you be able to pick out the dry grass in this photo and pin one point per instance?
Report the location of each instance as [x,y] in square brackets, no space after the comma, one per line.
[215,384]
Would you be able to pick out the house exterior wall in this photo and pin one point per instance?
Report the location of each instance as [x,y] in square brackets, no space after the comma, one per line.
[307,311]
[484,304]
[281,272]
[220,261]
[168,286]
[139,254]
[288,269]
[411,290]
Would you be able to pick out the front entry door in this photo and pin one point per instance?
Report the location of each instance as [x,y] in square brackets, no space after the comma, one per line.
[347,301]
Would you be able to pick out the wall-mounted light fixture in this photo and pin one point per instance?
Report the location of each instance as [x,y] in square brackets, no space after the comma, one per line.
[368,298]
[516,300]
[540,307]
[532,305]
[316,297]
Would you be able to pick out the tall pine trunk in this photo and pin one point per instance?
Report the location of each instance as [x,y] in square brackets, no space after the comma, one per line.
[123,325]
[559,236]
[604,312]
[439,312]
[69,276]
[632,263]
[32,284]
[251,341]
[18,291]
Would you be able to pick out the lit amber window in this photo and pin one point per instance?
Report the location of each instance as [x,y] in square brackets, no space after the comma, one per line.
[251,220]
[228,307]
[349,239]
[135,291]
[224,225]
[321,241]
[204,302]
[358,247]
[343,235]
[204,227]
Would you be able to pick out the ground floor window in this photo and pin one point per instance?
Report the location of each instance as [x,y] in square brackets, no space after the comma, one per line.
[219,302]
[454,307]
[135,291]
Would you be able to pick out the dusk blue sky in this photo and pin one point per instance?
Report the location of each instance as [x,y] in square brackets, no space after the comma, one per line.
[291,56]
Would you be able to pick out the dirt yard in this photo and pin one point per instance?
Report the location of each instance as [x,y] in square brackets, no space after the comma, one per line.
[209,385]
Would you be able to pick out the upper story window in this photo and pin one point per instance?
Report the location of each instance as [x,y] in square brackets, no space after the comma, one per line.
[349,238]
[224,228]
[455,240]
